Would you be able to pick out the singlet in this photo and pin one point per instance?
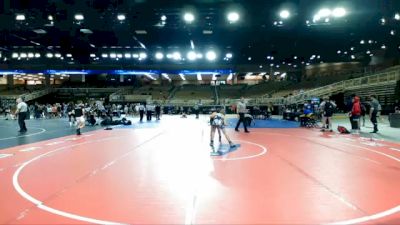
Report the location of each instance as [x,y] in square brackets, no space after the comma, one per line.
[218,120]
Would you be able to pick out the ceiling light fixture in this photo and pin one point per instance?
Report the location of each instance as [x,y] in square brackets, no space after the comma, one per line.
[284,14]
[339,12]
[121,17]
[20,17]
[188,17]
[211,55]
[191,55]
[159,56]
[233,17]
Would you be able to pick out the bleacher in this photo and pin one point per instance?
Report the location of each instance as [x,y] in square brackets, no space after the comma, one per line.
[231,91]
[189,91]
[385,93]
[155,91]
[267,88]
[20,90]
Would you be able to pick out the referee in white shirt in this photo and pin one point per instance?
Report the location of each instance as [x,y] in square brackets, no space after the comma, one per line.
[22,113]
[241,110]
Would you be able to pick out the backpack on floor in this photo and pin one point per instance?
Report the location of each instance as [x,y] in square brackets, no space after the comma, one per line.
[343,130]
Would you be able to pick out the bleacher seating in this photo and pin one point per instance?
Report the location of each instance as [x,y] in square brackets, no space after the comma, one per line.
[194,92]
[231,91]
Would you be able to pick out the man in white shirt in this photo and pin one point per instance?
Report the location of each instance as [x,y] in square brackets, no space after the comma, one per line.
[141,111]
[21,112]
[241,110]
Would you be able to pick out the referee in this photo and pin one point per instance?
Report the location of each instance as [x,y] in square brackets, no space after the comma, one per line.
[21,112]
[241,110]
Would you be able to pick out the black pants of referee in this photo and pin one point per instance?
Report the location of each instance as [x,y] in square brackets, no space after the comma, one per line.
[141,112]
[241,120]
[374,121]
[21,121]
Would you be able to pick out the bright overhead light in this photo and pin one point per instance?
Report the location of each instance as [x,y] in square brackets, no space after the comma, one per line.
[383,21]
[324,12]
[78,17]
[163,18]
[191,55]
[199,55]
[188,17]
[140,31]
[383,46]
[50,17]
[166,76]
[233,17]
[392,32]
[176,56]
[362,42]
[368,52]
[316,18]
[113,55]
[327,20]
[127,55]
[397,16]
[229,55]
[121,17]
[69,55]
[92,55]
[31,55]
[142,55]
[338,52]
[352,48]
[182,76]
[23,55]
[339,12]
[57,55]
[199,77]
[211,56]
[49,55]
[20,17]
[284,14]
[37,55]
[159,55]
[230,76]
[119,55]
[353,57]
[104,55]
[370,41]
[249,59]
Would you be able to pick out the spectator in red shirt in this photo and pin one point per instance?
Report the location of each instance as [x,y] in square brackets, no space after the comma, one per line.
[355,115]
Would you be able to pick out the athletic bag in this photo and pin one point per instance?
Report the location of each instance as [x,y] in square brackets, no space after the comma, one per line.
[343,130]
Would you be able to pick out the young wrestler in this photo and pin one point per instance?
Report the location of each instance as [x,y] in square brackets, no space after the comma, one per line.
[217,120]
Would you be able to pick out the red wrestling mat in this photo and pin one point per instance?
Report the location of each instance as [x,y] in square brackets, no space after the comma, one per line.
[155,176]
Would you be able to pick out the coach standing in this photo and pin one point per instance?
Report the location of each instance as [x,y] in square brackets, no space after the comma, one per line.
[373,112]
[22,110]
[241,110]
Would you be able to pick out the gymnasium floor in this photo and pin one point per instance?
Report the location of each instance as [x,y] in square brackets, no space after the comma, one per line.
[162,173]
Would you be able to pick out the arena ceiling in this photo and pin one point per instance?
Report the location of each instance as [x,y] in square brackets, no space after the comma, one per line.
[154,33]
